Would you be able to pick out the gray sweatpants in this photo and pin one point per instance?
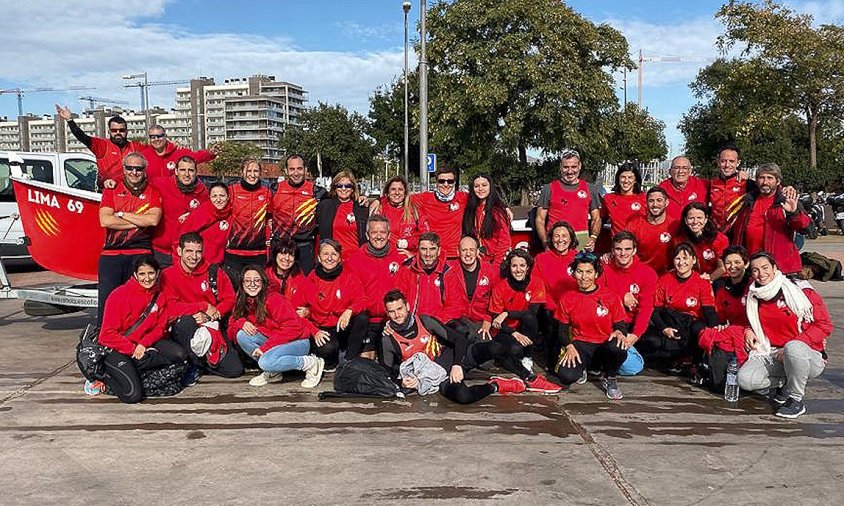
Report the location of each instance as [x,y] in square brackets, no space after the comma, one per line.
[800,363]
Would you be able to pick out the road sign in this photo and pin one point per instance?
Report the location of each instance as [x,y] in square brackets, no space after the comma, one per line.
[432,163]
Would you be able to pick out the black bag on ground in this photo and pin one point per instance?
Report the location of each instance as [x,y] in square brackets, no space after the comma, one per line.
[361,377]
[163,381]
[90,354]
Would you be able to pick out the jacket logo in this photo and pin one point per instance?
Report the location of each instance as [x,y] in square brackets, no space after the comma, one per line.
[484,281]
[708,254]
[581,194]
[194,203]
[744,300]
[260,198]
[527,296]
[394,267]
[664,237]
[691,302]
[437,282]
[693,196]
[224,225]
[454,206]
[171,165]
[338,294]
[602,311]
[204,286]
[635,206]
[781,303]
[350,218]
[736,189]
[142,196]
[634,289]
[154,308]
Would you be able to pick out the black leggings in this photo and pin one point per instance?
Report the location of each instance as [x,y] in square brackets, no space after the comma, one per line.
[229,366]
[354,339]
[506,351]
[655,347]
[122,372]
[461,393]
[607,356]
[112,271]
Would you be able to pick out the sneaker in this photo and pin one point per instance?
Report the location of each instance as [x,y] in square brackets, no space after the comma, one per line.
[94,388]
[264,378]
[508,385]
[191,376]
[540,384]
[313,372]
[779,396]
[791,409]
[612,388]
[527,363]
[583,378]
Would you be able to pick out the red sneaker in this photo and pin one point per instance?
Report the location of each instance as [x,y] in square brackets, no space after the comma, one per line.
[508,385]
[540,384]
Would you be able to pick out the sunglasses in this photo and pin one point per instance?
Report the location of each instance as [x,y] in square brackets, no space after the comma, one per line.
[134,168]
[117,130]
[586,255]
[344,186]
[157,136]
[446,181]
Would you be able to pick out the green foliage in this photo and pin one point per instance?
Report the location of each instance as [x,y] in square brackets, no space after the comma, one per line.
[227,162]
[636,135]
[337,135]
[386,120]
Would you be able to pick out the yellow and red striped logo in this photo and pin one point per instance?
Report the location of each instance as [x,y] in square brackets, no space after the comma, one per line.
[46,222]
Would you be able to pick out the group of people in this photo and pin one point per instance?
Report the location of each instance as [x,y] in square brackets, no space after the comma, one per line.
[291,277]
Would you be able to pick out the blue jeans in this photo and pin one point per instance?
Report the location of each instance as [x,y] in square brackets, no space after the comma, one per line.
[284,357]
[633,365]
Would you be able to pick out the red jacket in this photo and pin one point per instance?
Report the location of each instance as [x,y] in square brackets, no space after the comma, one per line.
[294,210]
[191,291]
[780,323]
[637,279]
[281,326]
[726,198]
[505,298]
[165,164]
[553,268]
[174,204]
[123,308]
[696,190]
[477,309]
[378,275]
[496,246]
[213,226]
[250,216]
[110,157]
[133,240]
[298,289]
[779,232]
[426,293]
[332,297]
[443,218]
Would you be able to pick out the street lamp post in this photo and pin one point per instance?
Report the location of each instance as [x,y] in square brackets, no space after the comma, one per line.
[406,7]
[423,99]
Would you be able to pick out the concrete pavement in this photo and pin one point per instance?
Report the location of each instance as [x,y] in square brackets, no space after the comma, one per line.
[224,442]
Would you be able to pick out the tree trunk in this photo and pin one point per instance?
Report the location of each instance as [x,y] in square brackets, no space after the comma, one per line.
[523,165]
[812,120]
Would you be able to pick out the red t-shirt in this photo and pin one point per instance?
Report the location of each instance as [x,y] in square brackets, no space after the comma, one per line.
[553,269]
[754,238]
[655,242]
[731,308]
[591,316]
[504,298]
[621,209]
[707,252]
[133,240]
[345,229]
[444,218]
[637,279]
[695,190]
[688,296]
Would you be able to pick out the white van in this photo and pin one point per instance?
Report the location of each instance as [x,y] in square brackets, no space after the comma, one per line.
[76,170]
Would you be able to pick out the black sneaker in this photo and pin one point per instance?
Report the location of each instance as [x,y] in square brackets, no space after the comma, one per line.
[779,397]
[791,409]
[191,376]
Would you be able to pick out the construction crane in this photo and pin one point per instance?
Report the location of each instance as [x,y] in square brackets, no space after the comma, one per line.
[143,87]
[665,59]
[19,92]
[92,101]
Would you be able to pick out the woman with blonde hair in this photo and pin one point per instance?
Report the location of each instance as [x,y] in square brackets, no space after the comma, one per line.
[341,216]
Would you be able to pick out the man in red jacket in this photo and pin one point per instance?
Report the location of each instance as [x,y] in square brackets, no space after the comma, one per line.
[109,152]
[162,155]
[201,299]
[727,189]
[180,195]
[770,219]
[422,278]
[469,285]
[377,264]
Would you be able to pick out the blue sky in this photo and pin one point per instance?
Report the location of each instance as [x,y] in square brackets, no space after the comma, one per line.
[338,50]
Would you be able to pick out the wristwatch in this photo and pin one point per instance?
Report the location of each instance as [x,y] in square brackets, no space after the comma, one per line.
[119,214]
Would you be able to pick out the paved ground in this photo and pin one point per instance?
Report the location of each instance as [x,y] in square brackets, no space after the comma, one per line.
[223,442]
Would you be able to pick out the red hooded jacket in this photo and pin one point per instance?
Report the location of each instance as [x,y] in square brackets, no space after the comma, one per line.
[123,308]
[213,226]
[174,204]
[191,292]
[638,279]
[332,297]
[457,294]
[425,293]
[281,326]
[378,275]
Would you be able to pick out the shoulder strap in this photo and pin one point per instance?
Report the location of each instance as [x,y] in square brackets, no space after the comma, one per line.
[212,281]
[143,316]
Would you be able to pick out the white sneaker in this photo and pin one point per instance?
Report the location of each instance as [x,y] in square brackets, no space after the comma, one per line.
[264,378]
[314,367]
[527,363]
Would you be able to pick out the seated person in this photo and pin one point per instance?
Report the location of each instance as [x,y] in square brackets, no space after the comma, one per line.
[406,334]
[285,276]
[592,328]
[268,329]
[201,299]
[134,328]
[422,278]
[789,326]
[469,285]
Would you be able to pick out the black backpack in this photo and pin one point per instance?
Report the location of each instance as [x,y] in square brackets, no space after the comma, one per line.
[90,354]
[361,377]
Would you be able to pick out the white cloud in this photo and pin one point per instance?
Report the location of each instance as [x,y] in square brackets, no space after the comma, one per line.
[43,45]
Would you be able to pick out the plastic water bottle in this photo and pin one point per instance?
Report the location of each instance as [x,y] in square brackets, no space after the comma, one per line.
[731,389]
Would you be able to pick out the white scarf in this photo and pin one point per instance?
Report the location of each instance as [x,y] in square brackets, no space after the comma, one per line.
[795,299]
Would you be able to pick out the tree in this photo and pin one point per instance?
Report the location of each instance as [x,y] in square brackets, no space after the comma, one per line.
[509,75]
[227,162]
[636,136]
[803,64]
[386,120]
[333,135]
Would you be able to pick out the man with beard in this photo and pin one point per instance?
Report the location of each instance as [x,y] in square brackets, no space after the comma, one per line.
[110,153]
[655,231]
[163,156]
[294,210]
[770,219]
[129,211]
[180,194]
[422,278]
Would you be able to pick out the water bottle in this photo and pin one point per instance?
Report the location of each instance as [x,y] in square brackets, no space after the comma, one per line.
[731,389]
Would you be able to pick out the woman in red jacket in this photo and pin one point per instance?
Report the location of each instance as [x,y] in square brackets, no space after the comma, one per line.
[683,306]
[338,308]
[698,230]
[592,328]
[486,219]
[789,326]
[286,278]
[268,329]
[212,221]
[137,344]
[405,222]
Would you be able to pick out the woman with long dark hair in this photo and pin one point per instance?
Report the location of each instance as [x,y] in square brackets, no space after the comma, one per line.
[286,277]
[405,222]
[486,218]
[341,217]
[698,230]
[212,221]
[268,329]
[624,203]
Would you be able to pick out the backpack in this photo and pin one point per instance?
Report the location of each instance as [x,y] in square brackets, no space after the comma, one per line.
[90,354]
[361,377]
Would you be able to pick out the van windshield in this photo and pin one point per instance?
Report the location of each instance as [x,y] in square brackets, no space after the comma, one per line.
[39,170]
